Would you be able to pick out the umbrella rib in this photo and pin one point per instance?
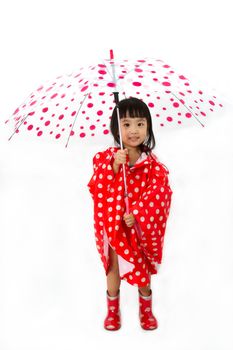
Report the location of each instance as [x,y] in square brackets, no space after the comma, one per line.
[188,109]
[104,61]
[131,70]
[23,119]
[81,104]
[117,79]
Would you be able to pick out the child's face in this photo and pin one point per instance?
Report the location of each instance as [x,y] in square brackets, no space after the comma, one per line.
[134,131]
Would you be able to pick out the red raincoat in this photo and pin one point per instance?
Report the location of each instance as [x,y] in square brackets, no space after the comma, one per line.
[139,248]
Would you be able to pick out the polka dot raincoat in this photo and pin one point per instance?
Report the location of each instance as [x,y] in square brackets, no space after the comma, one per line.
[139,248]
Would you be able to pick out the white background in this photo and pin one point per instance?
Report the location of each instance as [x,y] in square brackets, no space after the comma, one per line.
[52,283]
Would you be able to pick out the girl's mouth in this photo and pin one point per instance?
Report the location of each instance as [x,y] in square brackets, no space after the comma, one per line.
[133,138]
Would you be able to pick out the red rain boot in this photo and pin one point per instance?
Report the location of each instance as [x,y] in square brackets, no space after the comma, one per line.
[147,319]
[112,321]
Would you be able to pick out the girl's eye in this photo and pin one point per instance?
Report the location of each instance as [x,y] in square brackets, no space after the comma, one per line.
[127,124]
[141,123]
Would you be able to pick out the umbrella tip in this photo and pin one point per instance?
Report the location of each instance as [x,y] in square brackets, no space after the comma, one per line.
[111,55]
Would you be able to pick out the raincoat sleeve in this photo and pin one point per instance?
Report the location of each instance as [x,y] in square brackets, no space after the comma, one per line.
[102,170]
[152,208]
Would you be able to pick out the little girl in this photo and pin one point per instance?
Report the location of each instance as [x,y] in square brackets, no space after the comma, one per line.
[130,245]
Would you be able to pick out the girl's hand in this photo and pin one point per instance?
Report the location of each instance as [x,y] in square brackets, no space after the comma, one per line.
[119,158]
[129,219]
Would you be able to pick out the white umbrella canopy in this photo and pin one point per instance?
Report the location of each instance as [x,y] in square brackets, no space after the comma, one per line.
[79,104]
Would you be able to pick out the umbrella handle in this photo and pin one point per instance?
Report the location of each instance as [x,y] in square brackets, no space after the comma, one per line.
[127,203]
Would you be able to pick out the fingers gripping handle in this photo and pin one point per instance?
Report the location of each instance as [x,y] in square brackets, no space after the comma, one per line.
[127,203]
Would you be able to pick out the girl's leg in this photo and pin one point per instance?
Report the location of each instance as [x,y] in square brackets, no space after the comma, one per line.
[112,321]
[145,291]
[113,276]
[147,320]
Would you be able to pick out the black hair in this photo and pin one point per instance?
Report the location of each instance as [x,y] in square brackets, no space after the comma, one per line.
[135,108]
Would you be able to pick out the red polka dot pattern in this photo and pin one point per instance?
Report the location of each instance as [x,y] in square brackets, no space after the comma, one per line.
[81,99]
[139,247]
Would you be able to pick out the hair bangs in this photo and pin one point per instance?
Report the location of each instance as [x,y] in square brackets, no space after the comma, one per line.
[132,112]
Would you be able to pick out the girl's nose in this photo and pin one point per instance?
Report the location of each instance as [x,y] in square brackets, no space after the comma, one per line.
[133,130]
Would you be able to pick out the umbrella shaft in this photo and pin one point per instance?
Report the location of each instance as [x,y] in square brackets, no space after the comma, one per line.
[123,165]
[119,127]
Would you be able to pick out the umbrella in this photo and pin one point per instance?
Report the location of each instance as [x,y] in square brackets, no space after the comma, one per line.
[80,104]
